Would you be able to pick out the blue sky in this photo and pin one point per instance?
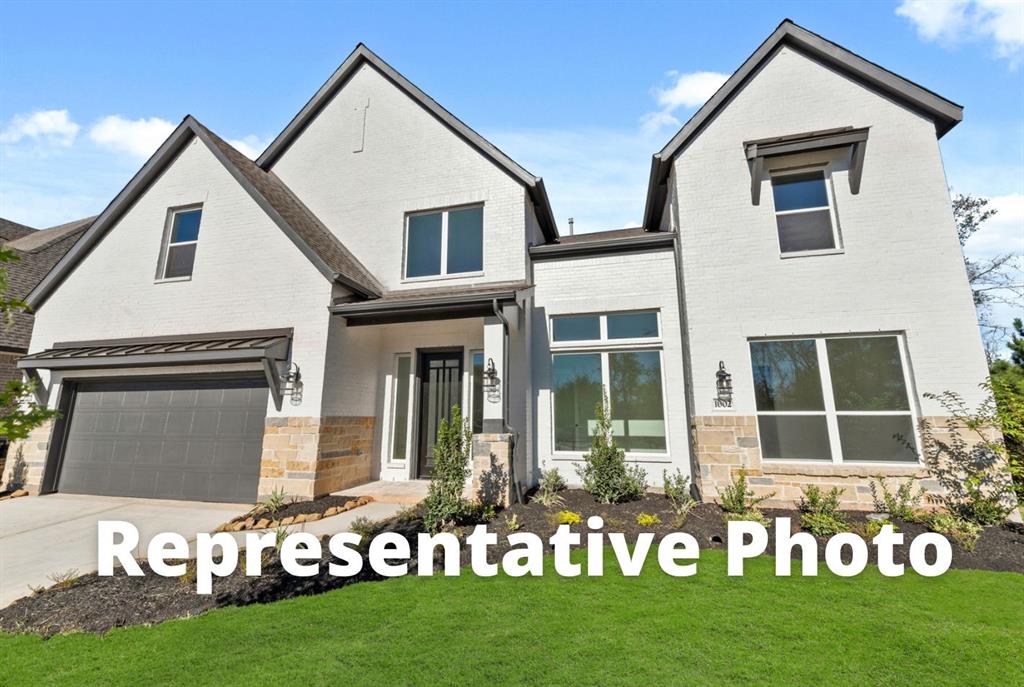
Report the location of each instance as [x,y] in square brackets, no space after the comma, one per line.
[580,94]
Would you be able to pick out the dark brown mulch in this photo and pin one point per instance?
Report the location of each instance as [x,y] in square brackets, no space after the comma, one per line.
[1000,548]
[319,505]
[97,604]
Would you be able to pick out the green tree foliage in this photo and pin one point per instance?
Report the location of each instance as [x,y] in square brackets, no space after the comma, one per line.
[604,471]
[445,506]
[19,413]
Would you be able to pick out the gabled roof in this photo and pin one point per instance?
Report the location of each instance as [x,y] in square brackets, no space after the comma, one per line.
[363,55]
[10,231]
[315,241]
[37,252]
[945,113]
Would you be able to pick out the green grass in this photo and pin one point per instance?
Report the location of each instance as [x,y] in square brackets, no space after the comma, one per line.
[963,627]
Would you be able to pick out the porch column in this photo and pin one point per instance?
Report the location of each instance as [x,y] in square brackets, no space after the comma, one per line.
[494,350]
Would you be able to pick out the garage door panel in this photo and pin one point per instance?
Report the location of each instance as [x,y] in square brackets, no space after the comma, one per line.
[183,439]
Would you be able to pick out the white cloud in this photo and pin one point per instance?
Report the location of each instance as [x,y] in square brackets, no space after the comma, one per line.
[51,126]
[138,137]
[1003,232]
[690,90]
[251,146]
[951,22]
[685,91]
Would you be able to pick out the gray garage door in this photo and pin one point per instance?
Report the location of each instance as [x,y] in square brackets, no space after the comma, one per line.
[193,440]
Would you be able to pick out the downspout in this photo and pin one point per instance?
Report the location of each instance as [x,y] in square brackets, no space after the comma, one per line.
[509,429]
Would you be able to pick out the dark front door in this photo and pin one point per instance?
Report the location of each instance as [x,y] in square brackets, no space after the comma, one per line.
[440,378]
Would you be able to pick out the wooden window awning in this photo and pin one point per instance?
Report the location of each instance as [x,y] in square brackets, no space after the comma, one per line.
[757,151]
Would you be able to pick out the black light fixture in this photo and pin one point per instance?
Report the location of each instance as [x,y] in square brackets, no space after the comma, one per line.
[490,374]
[723,385]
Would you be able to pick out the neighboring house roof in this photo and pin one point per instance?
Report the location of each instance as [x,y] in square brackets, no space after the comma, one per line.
[603,242]
[37,251]
[945,113]
[363,55]
[315,241]
[9,231]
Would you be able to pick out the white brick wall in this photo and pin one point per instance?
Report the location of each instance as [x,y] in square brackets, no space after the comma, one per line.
[901,270]
[601,284]
[409,161]
[247,275]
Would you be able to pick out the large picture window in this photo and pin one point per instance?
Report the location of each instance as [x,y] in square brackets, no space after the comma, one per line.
[833,399]
[444,242]
[588,361]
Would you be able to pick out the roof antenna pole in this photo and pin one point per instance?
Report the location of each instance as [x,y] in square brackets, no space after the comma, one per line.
[570,226]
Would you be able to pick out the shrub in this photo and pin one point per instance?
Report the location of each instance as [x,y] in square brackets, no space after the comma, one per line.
[869,529]
[647,520]
[739,500]
[568,517]
[604,471]
[364,527]
[64,579]
[751,515]
[903,504]
[963,532]
[480,512]
[677,491]
[444,505]
[551,482]
[819,512]
[969,455]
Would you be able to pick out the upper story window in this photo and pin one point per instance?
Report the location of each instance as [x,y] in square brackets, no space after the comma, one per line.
[182,236]
[839,399]
[803,212]
[444,242]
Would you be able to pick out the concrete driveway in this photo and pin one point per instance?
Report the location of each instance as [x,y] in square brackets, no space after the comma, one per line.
[45,535]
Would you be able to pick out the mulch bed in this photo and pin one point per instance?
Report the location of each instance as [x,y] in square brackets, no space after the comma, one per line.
[98,604]
[295,513]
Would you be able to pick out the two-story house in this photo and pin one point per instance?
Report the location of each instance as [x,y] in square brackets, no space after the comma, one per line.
[228,327]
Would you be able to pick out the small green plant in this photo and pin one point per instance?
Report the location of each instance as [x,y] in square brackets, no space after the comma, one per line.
[819,511]
[604,471]
[753,515]
[568,517]
[408,513]
[869,529]
[963,532]
[279,534]
[647,520]
[188,578]
[552,480]
[677,491]
[273,503]
[512,523]
[445,506]
[364,527]
[65,579]
[481,512]
[902,504]
[738,499]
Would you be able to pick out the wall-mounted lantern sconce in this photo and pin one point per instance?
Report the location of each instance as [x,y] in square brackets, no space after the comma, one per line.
[291,384]
[491,381]
[723,386]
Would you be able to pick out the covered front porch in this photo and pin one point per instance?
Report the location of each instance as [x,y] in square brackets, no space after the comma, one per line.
[406,359]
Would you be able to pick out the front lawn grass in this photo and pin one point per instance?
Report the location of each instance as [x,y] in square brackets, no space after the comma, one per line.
[960,628]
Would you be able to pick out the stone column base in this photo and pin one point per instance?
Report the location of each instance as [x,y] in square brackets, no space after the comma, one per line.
[26,460]
[491,482]
[308,457]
